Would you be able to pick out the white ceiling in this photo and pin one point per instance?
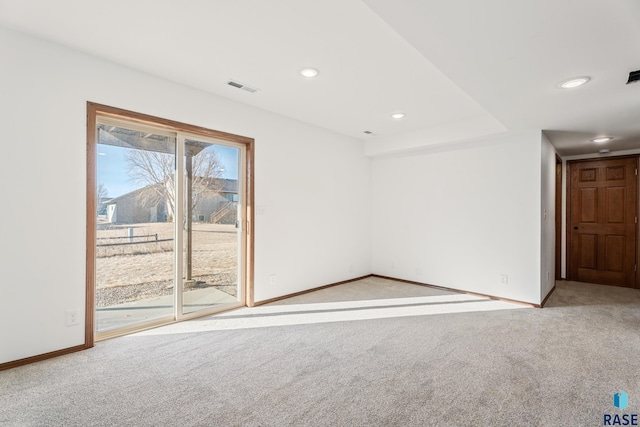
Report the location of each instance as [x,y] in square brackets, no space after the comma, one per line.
[440,62]
[510,55]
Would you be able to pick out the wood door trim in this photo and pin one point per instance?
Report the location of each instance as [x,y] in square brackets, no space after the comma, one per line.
[544,301]
[460,291]
[411,282]
[307,291]
[558,218]
[249,215]
[40,357]
[172,125]
[90,274]
[567,219]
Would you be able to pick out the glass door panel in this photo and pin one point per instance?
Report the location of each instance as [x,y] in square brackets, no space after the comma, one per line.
[211,226]
[134,227]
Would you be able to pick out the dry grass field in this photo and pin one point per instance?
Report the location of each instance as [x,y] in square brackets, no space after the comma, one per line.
[128,272]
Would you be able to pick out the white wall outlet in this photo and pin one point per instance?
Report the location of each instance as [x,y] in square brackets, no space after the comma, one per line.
[72,317]
[504,279]
[548,277]
[393,264]
[272,279]
[351,268]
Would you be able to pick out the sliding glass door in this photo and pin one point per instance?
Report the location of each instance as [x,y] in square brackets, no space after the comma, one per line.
[135,229]
[212,273]
[170,228]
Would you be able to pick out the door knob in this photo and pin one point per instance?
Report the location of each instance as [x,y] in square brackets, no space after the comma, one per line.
[575,228]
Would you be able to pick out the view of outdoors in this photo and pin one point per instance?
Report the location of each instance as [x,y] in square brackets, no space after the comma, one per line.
[136,237]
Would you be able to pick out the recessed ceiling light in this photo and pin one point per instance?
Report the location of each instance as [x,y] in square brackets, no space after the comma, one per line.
[604,151]
[397,116]
[309,72]
[574,82]
[602,139]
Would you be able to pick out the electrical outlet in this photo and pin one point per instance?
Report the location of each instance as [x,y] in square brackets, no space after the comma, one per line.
[504,279]
[272,279]
[548,277]
[393,264]
[72,317]
[351,268]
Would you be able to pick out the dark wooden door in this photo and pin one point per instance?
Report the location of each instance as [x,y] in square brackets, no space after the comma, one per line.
[602,222]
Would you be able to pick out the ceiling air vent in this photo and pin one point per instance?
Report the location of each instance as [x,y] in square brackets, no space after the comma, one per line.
[634,76]
[242,86]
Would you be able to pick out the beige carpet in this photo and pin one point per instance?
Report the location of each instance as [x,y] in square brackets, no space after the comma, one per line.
[373,352]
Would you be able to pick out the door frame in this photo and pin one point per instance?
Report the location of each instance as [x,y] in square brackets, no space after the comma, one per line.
[94,110]
[568,212]
[558,218]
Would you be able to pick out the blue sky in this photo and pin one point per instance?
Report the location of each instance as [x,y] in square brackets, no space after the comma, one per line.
[112,170]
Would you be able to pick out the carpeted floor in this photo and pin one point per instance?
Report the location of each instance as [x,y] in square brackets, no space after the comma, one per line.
[368,353]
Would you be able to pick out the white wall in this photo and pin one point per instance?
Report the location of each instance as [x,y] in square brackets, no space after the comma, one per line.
[462,216]
[548,218]
[312,186]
